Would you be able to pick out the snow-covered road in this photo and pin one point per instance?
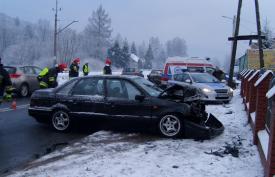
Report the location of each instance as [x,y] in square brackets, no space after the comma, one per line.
[112,154]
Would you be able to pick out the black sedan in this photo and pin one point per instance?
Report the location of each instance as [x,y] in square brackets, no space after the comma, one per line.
[174,112]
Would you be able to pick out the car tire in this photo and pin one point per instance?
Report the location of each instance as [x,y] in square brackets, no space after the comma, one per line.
[24,90]
[61,121]
[170,126]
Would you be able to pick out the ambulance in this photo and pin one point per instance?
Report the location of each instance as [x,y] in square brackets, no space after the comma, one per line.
[177,65]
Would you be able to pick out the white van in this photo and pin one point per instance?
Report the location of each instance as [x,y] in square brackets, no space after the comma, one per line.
[176,65]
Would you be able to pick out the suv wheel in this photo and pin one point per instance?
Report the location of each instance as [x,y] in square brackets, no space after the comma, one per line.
[61,121]
[170,126]
[24,90]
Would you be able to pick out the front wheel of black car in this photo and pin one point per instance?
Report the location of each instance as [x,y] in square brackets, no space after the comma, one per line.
[170,126]
[61,121]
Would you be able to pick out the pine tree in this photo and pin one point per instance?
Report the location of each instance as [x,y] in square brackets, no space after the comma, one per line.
[115,53]
[125,59]
[98,32]
[133,49]
[149,57]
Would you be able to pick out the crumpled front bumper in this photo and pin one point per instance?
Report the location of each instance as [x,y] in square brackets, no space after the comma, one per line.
[212,127]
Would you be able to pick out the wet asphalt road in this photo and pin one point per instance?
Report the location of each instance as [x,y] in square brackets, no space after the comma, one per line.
[23,139]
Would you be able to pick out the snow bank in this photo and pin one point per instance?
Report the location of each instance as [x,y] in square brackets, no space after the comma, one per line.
[247,74]
[271,92]
[264,140]
[253,117]
[253,75]
[262,77]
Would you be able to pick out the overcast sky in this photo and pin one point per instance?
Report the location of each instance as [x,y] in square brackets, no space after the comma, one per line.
[199,22]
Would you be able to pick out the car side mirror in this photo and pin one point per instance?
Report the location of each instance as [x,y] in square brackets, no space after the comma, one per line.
[139,97]
[188,81]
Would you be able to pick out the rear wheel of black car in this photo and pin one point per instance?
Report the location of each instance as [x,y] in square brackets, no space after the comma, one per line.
[24,90]
[170,126]
[61,121]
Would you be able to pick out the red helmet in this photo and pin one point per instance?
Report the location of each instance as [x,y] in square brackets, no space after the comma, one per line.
[108,61]
[62,66]
[77,60]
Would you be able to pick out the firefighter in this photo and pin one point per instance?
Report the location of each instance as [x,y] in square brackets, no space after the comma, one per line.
[48,77]
[5,85]
[86,69]
[219,74]
[107,68]
[74,68]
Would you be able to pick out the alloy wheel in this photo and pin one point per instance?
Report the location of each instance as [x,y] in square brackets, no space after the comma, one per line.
[61,121]
[170,126]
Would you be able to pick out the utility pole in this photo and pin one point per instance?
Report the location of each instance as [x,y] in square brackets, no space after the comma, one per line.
[55,31]
[260,43]
[234,46]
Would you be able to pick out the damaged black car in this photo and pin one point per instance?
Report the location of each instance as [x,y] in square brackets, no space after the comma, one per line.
[174,112]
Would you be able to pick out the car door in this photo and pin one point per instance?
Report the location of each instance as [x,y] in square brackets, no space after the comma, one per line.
[121,102]
[87,98]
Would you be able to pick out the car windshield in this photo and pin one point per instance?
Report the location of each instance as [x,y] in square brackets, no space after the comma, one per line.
[203,78]
[148,86]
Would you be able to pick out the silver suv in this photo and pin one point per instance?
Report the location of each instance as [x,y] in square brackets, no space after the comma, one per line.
[24,78]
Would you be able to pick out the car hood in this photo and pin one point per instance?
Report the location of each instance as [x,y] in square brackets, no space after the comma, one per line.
[189,92]
[212,86]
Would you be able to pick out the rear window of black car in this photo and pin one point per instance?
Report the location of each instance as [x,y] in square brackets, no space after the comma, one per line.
[10,70]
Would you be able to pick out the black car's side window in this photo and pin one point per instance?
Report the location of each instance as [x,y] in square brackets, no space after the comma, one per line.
[131,90]
[65,90]
[89,86]
[116,89]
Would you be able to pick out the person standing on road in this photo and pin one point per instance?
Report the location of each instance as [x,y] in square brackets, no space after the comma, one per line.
[86,69]
[48,77]
[219,74]
[74,68]
[107,68]
[5,85]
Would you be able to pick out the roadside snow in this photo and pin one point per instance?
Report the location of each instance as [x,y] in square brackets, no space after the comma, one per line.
[271,92]
[253,75]
[253,117]
[112,154]
[264,140]
[262,77]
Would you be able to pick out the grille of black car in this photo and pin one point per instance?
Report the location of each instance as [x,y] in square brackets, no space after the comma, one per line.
[221,90]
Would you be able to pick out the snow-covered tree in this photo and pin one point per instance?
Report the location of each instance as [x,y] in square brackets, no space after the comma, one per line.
[98,33]
[133,48]
[149,57]
[125,58]
[176,47]
[268,43]
[115,53]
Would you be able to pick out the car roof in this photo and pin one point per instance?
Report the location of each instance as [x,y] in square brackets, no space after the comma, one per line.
[113,76]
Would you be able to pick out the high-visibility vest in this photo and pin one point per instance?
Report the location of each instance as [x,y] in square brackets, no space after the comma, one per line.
[86,69]
[44,72]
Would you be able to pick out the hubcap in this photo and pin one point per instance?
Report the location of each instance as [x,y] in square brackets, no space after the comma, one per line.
[60,121]
[24,90]
[170,125]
